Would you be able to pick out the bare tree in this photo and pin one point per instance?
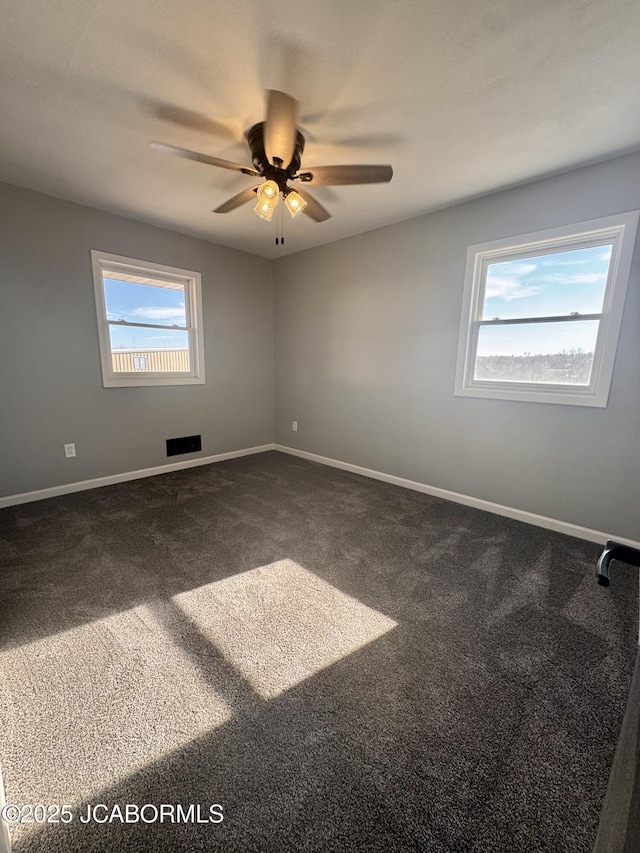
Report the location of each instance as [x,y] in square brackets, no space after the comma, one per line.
[569,367]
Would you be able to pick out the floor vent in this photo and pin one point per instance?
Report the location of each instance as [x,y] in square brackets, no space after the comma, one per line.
[188,444]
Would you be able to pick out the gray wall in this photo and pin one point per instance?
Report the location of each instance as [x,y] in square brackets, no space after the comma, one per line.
[50,381]
[366,332]
[365,335]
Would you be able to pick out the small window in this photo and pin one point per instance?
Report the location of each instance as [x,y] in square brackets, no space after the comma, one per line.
[542,313]
[149,322]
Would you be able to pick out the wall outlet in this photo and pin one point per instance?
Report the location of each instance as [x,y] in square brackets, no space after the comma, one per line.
[69,450]
[294,426]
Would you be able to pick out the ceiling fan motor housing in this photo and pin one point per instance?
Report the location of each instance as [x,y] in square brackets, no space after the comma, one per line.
[279,174]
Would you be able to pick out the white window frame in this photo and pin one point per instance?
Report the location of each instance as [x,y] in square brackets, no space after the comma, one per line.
[620,231]
[103,262]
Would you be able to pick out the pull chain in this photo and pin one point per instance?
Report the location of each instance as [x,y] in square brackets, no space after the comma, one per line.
[279,225]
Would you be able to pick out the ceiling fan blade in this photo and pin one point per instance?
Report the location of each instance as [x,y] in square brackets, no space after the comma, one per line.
[202,158]
[337,175]
[313,209]
[280,128]
[241,198]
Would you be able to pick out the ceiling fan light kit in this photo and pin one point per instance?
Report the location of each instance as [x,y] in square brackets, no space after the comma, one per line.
[276,147]
[269,196]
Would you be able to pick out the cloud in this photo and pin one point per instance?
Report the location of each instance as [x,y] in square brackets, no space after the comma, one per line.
[506,281]
[159,315]
[587,278]
[518,268]
[575,278]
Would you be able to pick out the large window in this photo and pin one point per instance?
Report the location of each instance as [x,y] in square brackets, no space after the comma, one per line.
[149,322]
[542,313]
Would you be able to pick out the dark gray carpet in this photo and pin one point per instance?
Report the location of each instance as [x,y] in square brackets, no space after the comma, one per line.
[342,664]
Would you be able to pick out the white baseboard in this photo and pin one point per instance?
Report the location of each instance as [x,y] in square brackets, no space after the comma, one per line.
[82,485]
[478,503]
[566,527]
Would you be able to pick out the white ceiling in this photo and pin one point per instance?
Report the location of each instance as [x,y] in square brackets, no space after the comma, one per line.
[462,97]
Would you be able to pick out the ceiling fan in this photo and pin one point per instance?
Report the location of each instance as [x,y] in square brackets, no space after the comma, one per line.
[276,147]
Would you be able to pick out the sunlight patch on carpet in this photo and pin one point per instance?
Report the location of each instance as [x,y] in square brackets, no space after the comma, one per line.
[95,704]
[280,624]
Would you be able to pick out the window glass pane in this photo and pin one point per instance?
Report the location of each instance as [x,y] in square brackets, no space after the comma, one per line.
[555,353]
[549,285]
[145,303]
[136,337]
[149,350]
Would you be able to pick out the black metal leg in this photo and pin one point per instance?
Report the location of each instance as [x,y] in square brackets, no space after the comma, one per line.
[615,551]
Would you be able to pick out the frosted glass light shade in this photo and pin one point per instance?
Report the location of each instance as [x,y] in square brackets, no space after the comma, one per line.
[268,193]
[295,203]
[264,210]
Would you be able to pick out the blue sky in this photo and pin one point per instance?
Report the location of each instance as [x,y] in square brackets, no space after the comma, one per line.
[544,286]
[143,303]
